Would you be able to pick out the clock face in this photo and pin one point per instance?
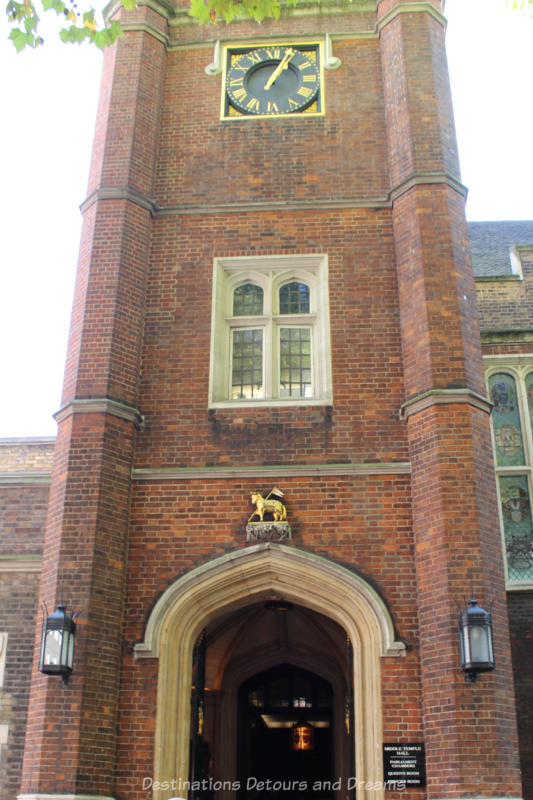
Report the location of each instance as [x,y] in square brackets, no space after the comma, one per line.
[274,80]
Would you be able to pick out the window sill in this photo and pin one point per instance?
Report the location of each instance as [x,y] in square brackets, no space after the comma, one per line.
[292,403]
[522,586]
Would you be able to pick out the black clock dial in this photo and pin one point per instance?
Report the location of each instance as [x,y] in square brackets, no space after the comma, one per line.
[272,80]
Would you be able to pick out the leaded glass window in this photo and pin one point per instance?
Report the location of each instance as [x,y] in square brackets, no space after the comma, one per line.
[247,300]
[295,362]
[247,364]
[516,512]
[529,395]
[506,421]
[294,298]
[511,392]
[270,338]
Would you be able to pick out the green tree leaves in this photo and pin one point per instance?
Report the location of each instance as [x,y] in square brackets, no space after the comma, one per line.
[206,11]
[77,25]
[80,25]
[526,6]
[24,18]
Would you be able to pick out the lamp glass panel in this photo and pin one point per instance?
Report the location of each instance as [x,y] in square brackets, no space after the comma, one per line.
[69,648]
[52,648]
[465,645]
[479,644]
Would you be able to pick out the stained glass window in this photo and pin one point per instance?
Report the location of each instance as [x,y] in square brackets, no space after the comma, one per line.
[295,362]
[529,395]
[247,364]
[512,424]
[506,421]
[247,300]
[294,298]
[516,513]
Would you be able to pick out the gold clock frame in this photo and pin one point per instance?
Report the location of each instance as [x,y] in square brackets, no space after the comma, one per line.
[235,50]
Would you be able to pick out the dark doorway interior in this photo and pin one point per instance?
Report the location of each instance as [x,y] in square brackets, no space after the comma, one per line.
[271,760]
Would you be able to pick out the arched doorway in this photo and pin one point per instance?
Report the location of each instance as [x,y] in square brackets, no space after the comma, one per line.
[285,736]
[238,581]
[267,667]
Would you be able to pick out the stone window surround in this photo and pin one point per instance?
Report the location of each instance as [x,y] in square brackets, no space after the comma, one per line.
[3,650]
[270,272]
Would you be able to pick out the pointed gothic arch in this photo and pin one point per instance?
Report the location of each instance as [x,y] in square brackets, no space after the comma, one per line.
[238,579]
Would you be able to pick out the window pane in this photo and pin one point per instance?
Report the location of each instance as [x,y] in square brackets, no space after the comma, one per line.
[294,298]
[257,698]
[506,421]
[247,300]
[516,512]
[247,364]
[295,362]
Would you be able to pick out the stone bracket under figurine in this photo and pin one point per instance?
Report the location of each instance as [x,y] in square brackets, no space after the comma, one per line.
[268,531]
[271,525]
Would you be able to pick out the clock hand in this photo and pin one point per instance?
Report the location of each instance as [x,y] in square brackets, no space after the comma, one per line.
[283,64]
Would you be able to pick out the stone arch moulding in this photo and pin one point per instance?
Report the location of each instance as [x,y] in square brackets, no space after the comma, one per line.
[238,579]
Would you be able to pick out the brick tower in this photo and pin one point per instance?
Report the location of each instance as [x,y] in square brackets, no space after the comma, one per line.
[274,292]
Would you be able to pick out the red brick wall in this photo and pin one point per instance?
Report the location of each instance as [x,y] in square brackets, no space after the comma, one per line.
[22,519]
[520,606]
[456,536]
[26,455]
[338,157]
[23,513]
[402,322]
[364,523]
[18,609]
[506,304]
[505,312]
[86,537]
[366,356]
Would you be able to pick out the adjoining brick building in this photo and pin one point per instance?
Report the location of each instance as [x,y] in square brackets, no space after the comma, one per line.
[275,292]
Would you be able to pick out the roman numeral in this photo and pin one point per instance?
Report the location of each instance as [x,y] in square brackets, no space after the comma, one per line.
[305,91]
[309,78]
[273,52]
[239,94]
[272,108]
[253,104]
[236,81]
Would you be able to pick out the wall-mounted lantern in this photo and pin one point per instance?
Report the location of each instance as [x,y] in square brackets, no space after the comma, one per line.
[475,637]
[57,643]
[302,736]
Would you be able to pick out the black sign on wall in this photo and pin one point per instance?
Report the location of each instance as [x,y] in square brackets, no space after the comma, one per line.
[404,763]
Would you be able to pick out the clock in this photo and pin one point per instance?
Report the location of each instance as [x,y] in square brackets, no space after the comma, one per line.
[272,81]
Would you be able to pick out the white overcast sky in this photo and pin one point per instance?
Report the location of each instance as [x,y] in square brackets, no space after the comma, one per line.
[49,101]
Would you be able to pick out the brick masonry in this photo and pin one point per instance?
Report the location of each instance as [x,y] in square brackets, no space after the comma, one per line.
[505,315]
[23,506]
[374,184]
[18,604]
[504,303]
[24,455]
[520,618]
